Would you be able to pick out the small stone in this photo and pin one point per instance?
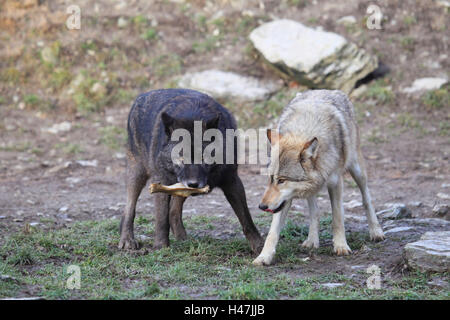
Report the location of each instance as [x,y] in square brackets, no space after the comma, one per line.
[2,217]
[441,210]
[397,211]
[59,127]
[73,180]
[119,155]
[353,204]
[398,229]
[332,285]
[88,163]
[430,253]
[98,89]
[347,20]
[33,224]
[63,209]
[122,22]
[425,84]
[443,196]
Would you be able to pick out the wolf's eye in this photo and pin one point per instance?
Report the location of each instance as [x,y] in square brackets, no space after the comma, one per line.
[280,181]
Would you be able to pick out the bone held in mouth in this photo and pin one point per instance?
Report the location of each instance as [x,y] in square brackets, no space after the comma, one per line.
[177,189]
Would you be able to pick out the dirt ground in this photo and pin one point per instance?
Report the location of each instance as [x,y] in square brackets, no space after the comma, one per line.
[406,144]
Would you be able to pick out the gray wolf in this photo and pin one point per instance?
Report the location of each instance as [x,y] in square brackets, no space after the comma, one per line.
[154,116]
[316,141]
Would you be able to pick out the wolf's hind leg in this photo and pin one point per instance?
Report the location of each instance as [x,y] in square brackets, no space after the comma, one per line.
[358,173]
[175,217]
[335,187]
[136,178]
[313,235]
[267,255]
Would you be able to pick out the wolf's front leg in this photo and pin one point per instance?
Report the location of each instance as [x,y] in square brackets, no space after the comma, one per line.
[162,220]
[267,255]
[335,186]
[313,235]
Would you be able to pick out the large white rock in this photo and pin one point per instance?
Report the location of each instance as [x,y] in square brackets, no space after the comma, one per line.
[425,84]
[316,58]
[221,84]
[430,253]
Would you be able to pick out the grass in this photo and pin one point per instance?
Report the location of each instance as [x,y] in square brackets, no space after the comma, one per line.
[113,137]
[436,99]
[380,92]
[200,267]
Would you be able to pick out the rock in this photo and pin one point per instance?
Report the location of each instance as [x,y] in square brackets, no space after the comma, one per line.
[2,217]
[397,229]
[441,210]
[122,22]
[73,180]
[98,89]
[63,209]
[332,285]
[5,277]
[315,58]
[59,127]
[443,196]
[88,163]
[430,253]
[397,211]
[353,204]
[221,84]
[425,84]
[347,20]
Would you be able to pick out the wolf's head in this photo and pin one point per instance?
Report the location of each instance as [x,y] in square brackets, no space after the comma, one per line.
[182,164]
[292,171]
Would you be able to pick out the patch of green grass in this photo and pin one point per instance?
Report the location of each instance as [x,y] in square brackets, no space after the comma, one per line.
[199,267]
[444,128]
[150,34]
[380,92]
[113,137]
[69,148]
[88,101]
[436,99]
[408,43]
[11,75]
[166,65]
[409,20]
[59,78]
[207,44]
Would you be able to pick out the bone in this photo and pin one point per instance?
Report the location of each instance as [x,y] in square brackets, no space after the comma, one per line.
[177,189]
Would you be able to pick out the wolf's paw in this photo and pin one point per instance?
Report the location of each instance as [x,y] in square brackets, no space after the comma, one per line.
[377,235]
[128,244]
[342,249]
[310,244]
[263,260]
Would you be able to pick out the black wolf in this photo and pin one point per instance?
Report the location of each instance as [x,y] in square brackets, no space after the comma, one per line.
[153,117]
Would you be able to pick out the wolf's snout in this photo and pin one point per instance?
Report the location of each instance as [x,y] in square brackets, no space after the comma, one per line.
[192,184]
[263,207]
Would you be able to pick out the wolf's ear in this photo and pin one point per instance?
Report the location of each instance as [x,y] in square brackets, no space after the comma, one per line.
[273,135]
[168,122]
[309,150]
[213,123]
